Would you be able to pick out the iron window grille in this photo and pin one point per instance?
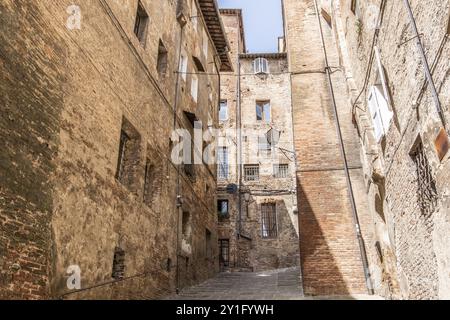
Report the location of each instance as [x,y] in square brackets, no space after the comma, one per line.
[281,171]
[427,192]
[118,271]
[224,252]
[124,139]
[251,172]
[269,221]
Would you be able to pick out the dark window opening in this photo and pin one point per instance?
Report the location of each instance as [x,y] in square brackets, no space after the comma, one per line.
[162,59]
[208,243]
[427,192]
[129,155]
[118,271]
[224,257]
[198,64]
[140,26]
[149,181]
[223,209]
[186,225]
[269,221]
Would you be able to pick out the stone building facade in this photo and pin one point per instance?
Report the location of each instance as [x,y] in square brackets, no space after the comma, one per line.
[257,189]
[90,95]
[405,158]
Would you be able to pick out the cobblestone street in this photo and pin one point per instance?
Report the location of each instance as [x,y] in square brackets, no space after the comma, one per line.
[283,284]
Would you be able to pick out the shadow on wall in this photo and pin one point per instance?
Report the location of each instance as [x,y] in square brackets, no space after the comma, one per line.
[321,275]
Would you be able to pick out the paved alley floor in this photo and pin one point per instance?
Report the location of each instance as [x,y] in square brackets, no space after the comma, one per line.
[283,284]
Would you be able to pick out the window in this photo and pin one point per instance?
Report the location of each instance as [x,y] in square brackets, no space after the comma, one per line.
[118,269]
[427,192]
[124,139]
[327,17]
[194,14]
[205,44]
[223,169]
[448,27]
[141,23]
[264,147]
[261,66]
[149,180]
[269,221]
[162,59]
[224,257]
[194,87]
[355,8]
[186,225]
[379,101]
[281,171]
[223,110]
[198,64]
[129,154]
[208,243]
[251,172]
[183,66]
[263,111]
[223,209]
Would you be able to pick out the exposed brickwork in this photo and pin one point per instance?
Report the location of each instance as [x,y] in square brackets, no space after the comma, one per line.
[65,94]
[330,258]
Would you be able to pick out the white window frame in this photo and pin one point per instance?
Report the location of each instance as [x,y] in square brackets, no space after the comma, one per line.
[261,66]
[227,110]
[194,13]
[205,44]
[379,101]
[194,87]
[223,170]
[266,114]
[184,66]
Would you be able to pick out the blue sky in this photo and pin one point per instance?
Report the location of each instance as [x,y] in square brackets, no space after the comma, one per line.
[263,23]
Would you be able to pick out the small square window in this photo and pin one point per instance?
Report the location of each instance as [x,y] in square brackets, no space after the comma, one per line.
[281,171]
[261,66]
[141,24]
[251,172]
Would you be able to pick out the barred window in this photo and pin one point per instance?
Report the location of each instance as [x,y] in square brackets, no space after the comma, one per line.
[251,172]
[269,220]
[427,192]
[281,171]
[223,166]
[141,24]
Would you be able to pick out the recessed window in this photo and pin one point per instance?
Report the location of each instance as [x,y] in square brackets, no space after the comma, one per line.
[223,209]
[152,181]
[264,147]
[129,154]
[208,243]
[205,44]
[426,191]
[263,112]
[223,165]
[194,87]
[224,257]
[251,172]
[379,101]
[281,171]
[141,24]
[183,66]
[198,64]
[261,66]
[118,269]
[194,15]
[223,111]
[162,59]
[448,27]
[269,220]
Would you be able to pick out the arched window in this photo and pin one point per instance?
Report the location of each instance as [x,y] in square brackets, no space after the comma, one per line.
[261,66]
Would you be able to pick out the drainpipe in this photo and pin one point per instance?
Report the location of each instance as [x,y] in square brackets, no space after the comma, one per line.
[239,138]
[345,161]
[178,187]
[426,65]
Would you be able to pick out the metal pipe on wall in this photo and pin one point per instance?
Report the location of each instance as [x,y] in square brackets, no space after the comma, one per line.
[426,65]
[345,161]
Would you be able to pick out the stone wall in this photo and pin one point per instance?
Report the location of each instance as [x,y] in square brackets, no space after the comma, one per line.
[61,203]
[414,262]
